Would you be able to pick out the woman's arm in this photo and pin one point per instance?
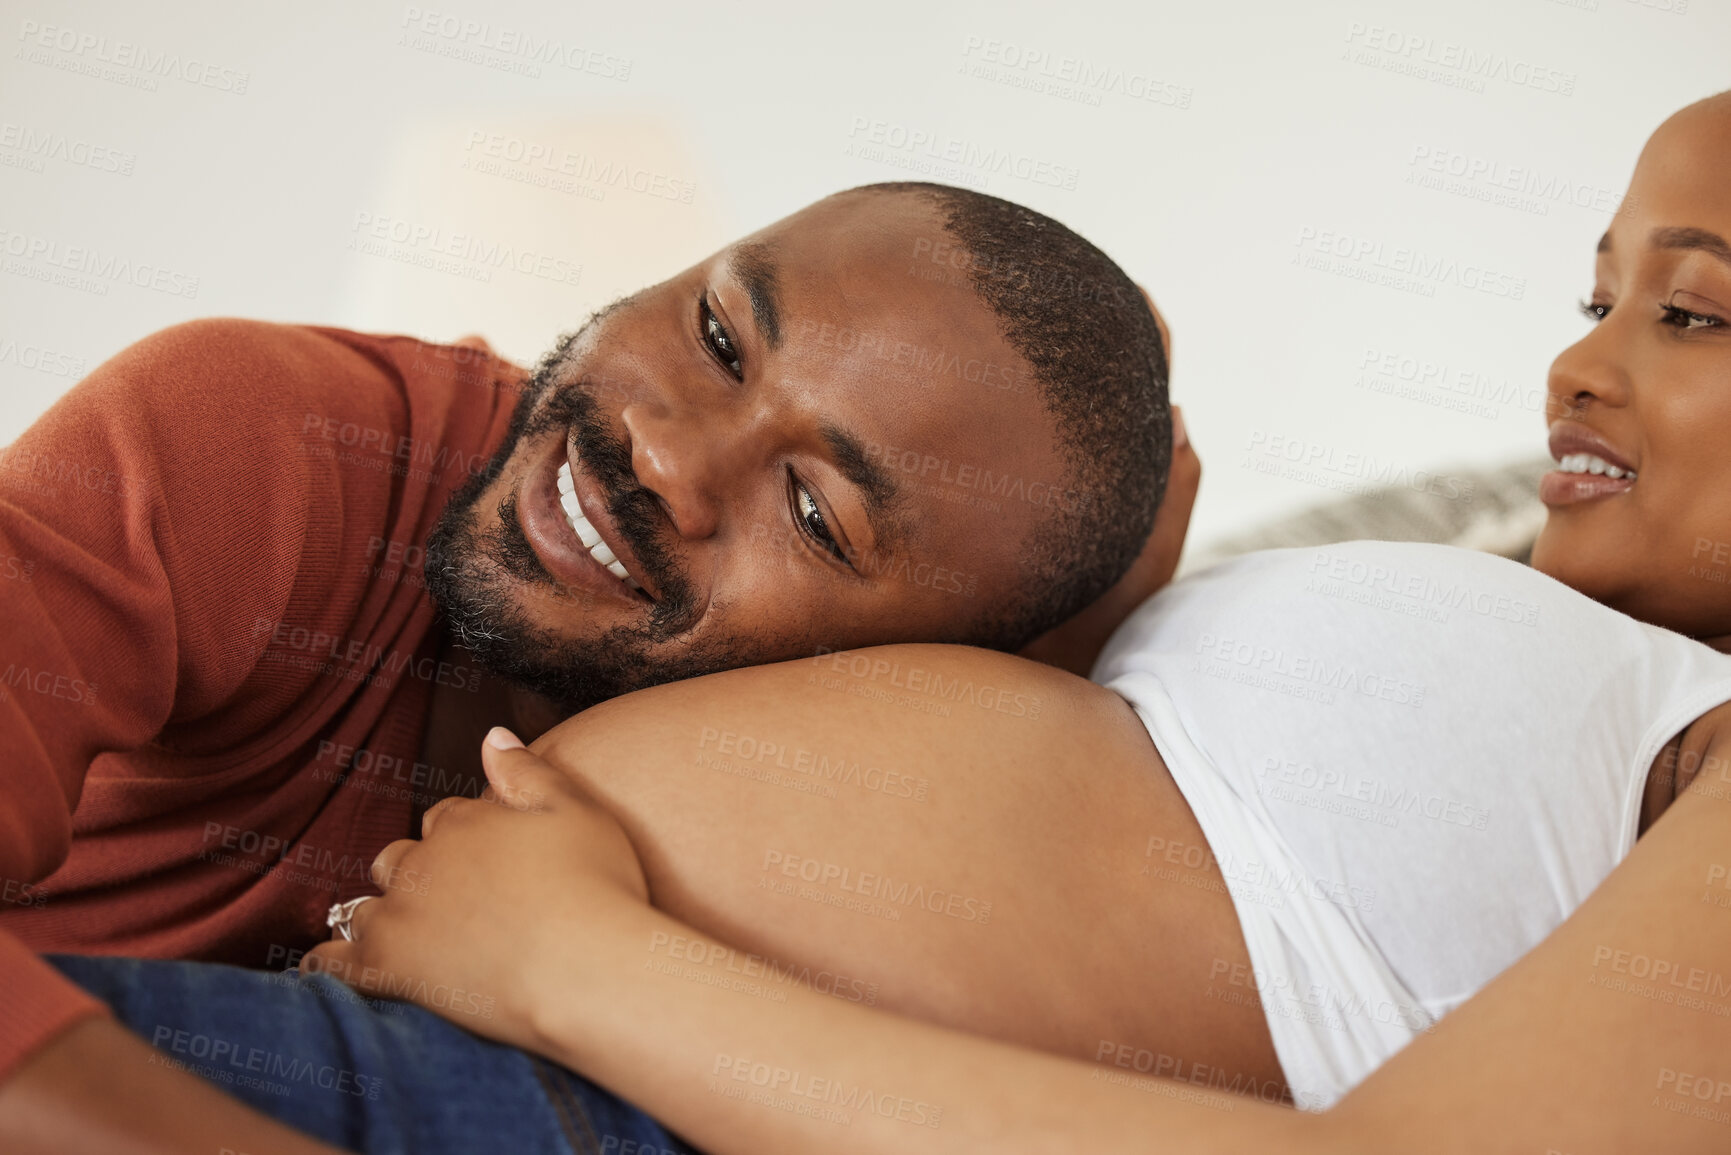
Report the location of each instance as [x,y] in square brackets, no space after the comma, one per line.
[816,1074]
[941,831]
[586,983]
[1612,1035]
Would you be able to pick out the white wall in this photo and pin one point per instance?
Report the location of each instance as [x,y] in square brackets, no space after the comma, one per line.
[1208,142]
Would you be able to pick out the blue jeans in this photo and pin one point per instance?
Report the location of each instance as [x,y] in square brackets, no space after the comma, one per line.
[361,1074]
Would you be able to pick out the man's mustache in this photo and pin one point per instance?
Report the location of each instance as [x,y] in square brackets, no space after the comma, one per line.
[636,512]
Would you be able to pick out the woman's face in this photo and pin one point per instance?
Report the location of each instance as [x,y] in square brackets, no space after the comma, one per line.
[1647,394]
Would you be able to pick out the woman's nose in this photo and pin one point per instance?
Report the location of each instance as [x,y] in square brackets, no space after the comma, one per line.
[1591,370]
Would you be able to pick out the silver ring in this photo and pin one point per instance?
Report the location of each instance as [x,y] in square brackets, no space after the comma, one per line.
[342,915]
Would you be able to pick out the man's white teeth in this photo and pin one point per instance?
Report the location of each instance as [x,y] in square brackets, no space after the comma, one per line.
[585,531]
[1592,463]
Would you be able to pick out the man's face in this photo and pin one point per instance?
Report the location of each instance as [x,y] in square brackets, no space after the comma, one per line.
[815,438]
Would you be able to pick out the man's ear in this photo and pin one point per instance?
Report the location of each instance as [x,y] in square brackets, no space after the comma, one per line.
[1165,333]
[1075,644]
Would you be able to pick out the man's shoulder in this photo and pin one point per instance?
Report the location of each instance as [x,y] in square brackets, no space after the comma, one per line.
[231,365]
[224,427]
[221,382]
[228,385]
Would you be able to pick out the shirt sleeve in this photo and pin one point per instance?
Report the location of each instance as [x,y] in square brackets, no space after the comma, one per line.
[148,521]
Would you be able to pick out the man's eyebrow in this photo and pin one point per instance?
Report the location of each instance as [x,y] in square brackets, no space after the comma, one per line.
[1605,242]
[873,480]
[753,266]
[1677,238]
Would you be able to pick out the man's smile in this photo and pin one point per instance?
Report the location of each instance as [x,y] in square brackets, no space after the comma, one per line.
[590,536]
[567,531]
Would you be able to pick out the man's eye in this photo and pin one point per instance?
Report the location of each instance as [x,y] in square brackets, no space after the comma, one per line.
[811,522]
[1594,311]
[719,340]
[1683,319]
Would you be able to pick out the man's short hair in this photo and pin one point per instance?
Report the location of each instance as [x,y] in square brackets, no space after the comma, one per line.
[1100,366]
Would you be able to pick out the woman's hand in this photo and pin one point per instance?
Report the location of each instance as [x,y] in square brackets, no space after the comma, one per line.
[500,890]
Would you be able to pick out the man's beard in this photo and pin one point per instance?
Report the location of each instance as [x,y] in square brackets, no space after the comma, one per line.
[471,572]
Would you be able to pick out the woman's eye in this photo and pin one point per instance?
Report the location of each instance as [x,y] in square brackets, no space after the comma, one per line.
[811,521]
[720,341]
[1594,311]
[1684,319]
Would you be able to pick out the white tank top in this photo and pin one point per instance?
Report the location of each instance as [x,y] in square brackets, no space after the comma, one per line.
[1411,762]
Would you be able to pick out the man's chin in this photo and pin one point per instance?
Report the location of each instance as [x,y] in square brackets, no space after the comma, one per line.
[502,639]
[573,672]
[497,601]
[570,688]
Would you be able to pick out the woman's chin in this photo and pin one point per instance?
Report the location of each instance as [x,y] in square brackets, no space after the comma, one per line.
[1558,553]
[1690,601]
[1587,563]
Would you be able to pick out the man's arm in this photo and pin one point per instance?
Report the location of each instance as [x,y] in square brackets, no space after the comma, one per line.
[98,1087]
[127,514]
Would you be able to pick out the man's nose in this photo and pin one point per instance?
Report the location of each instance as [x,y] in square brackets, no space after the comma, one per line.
[1592,369]
[687,457]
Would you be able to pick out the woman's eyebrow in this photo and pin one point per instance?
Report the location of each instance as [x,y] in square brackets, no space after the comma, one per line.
[1698,239]
[753,266]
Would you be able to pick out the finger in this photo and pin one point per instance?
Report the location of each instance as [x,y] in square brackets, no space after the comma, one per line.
[437,809]
[389,862]
[343,961]
[501,768]
[516,775]
[362,915]
[501,738]
[337,958]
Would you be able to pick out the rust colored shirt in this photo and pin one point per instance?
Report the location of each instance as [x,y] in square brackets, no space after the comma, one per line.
[217,647]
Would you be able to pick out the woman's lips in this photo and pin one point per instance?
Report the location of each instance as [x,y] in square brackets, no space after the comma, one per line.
[1577,448]
[1557,488]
